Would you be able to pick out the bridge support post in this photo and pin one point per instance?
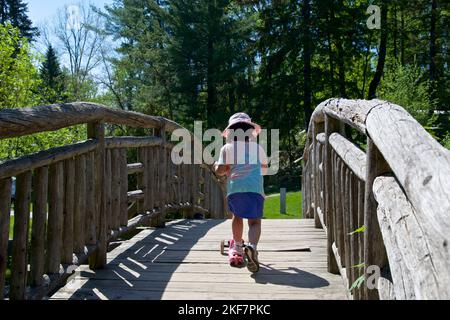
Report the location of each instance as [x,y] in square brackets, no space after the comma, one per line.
[374,250]
[98,259]
[318,127]
[160,220]
[331,125]
[194,190]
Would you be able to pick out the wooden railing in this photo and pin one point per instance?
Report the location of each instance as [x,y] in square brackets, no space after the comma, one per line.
[396,185]
[80,197]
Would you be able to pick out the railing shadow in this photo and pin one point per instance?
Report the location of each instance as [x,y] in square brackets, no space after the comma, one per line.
[146,265]
[289,276]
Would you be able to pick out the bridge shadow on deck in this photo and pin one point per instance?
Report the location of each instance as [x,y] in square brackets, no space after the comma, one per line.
[178,257]
[285,278]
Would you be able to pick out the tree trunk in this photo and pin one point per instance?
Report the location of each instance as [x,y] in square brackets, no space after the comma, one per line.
[395,33]
[433,51]
[402,38]
[307,94]
[3,11]
[330,51]
[381,53]
[340,56]
[211,89]
[366,65]
[331,58]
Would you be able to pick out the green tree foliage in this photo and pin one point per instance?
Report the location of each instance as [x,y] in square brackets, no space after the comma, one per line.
[408,87]
[16,13]
[186,60]
[19,87]
[276,60]
[52,79]
[204,60]
[18,76]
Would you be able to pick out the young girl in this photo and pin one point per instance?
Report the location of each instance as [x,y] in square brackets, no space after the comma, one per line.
[244,162]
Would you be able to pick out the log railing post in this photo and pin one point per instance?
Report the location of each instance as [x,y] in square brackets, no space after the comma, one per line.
[331,125]
[19,260]
[115,189]
[5,211]
[142,180]
[55,217]
[98,259]
[318,127]
[123,188]
[374,251]
[194,188]
[91,206]
[80,204]
[69,204]
[162,163]
[39,225]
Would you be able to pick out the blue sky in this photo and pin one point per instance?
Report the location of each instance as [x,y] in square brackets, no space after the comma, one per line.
[40,10]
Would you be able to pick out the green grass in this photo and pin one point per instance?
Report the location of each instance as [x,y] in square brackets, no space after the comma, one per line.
[293,205]
[11,227]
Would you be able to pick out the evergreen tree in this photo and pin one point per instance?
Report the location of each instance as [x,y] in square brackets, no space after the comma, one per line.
[15,12]
[277,60]
[52,85]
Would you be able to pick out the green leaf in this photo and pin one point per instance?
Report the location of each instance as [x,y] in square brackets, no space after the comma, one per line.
[359,230]
[359,266]
[357,284]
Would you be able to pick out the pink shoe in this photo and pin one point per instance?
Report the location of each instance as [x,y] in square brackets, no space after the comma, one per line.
[235,254]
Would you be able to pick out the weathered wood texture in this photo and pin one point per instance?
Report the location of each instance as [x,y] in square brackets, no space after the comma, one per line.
[183,260]
[420,163]
[132,142]
[5,211]
[38,231]
[20,241]
[411,208]
[69,208]
[55,218]
[80,192]
[17,122]
[15,167]
[419,265]
[374,250]
[353,157]
[330,127]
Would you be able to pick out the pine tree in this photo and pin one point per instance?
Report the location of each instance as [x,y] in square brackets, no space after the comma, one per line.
[15,12]
[52,86]
[3,11]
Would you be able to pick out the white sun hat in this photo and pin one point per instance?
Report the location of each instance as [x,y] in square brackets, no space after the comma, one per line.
[241,118]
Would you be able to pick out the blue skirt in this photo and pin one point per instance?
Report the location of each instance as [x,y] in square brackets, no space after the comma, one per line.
[247,205]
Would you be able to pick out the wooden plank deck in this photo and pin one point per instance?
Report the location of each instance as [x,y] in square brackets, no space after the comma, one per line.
[183,261]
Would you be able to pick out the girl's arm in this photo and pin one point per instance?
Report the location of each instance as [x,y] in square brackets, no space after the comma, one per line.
[221,169]
[264,169]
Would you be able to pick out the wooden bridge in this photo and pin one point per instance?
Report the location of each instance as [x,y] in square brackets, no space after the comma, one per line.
[101,213]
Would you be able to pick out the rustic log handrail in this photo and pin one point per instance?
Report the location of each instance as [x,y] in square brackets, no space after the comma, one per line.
[398,189]
[80,194]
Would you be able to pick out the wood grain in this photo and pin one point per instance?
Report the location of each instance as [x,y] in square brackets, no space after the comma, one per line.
[5,210]
[20,240]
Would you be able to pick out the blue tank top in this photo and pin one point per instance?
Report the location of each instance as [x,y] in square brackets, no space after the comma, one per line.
[245,160]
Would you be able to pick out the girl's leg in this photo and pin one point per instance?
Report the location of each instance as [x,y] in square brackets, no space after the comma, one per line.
[254,231]
[238,228]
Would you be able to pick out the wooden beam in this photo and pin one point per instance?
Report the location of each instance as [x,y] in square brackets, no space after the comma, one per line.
[374,251]
[132,142]
[12,168]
